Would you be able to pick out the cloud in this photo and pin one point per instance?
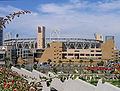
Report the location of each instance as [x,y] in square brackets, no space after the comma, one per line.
[104,6]
[53,8]
[114,5]
[8,9]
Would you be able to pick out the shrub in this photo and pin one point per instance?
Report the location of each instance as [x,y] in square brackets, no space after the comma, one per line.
[10,65]
[35,66]
[22,66]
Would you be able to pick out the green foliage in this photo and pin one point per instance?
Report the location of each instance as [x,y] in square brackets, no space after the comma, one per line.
[48,82]
[10,65]
[59,61]
[54,61]
[10,17]
[59,76]
[6,59]
[101,63]
[92,71]
[54,69]
[103,80]
[49,61]
[62,79]
[23,66]
[94,82]
[17,66]
[81,61]
[35,66]
[91,61]
[70,61]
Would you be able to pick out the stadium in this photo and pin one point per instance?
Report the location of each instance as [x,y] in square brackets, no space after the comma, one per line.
[41,49]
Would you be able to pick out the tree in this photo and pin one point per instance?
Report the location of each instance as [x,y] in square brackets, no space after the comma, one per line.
[70,61]
[49,61]
[54,61]
[91,61]
[6,59]
[55,70]
[10,17]
[101,63]
[23,66]
[35,66]
[60,61]
[81,61]
[10,65]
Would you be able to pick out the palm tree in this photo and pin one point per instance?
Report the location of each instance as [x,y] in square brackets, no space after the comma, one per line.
[81,61]
[91,61]
[35,66]
[10,17]
[6,59]
[49,61]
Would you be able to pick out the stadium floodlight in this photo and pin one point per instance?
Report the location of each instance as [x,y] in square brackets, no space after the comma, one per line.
[54,32]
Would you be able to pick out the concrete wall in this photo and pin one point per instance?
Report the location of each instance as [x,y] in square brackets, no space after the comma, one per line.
[68,85]
[107,49]
[54,52]
[106,87]
[72,85]
[57,84]
[78,85]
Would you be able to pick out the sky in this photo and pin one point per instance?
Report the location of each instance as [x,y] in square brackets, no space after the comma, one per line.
[76,18]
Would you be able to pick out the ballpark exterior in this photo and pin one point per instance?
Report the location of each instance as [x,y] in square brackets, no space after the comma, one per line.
[77,49]
[41,49]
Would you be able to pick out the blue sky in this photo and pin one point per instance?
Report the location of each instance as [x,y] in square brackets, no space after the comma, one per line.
[78,18]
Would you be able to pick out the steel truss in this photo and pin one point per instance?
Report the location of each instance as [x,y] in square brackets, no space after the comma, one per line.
[81,45]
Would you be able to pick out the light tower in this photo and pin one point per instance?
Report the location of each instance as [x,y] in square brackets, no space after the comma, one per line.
[41,37]
[98,37]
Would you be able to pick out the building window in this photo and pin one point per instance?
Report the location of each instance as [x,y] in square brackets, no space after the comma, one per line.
[98,54]
[70,54]
[99,58]
[98,50]
[87,54]
[92,50]
[93,45]
[76,50]
[92,54]
[97,45]
[81,54]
